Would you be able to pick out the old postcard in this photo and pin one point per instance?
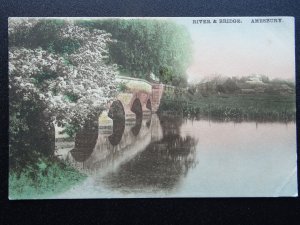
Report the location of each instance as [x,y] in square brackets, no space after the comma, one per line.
[152,107]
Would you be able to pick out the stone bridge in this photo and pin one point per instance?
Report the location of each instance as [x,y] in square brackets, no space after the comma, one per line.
[119,126]
[137,98]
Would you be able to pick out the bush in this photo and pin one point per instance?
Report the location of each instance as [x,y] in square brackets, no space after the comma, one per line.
[31,132]
[57,72]
[122,87]
[42,179]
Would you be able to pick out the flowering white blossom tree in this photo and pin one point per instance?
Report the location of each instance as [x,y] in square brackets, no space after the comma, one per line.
[67,88]
[74,85]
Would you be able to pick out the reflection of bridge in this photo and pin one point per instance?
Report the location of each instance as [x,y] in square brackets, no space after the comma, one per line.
[148,154]
[106,153]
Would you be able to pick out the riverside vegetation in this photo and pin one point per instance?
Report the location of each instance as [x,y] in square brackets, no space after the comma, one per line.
[235,99]
[235,107]
[42,179]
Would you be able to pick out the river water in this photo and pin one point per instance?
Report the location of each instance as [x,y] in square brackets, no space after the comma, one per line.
[176,157]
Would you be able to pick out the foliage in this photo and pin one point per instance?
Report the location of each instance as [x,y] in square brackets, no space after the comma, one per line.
[229,86]
[57,72]
[122,87]
[264,107]
[42,179]
[165,74]
[70,130]
[30,132]
[35,33]
[146,46]
[68,90]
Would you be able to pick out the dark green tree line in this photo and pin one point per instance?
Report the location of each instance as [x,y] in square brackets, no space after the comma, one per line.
[145,46]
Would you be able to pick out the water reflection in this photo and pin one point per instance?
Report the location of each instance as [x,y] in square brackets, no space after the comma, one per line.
[137,127]
[85,141]
[160,166]
[171,156]
[148,122]
[150,151]
[109,149]
[118,130]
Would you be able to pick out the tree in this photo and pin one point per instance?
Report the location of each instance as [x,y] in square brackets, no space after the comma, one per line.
[265,79]
[147,46]
[165,75]
[230,86]
[68,85]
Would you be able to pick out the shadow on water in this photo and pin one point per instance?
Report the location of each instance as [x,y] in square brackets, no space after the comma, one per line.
[137,127]
[108,157]
[161,164]
[148,123]
[111,147]
[85,141]
[151,155]
[118,130]
[137,109]
[87,137]
[117,114]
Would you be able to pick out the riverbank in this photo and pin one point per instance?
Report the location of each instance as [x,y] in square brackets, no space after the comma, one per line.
[258,107]
[43,179]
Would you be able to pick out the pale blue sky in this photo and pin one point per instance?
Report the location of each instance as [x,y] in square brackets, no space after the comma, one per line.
[241,49]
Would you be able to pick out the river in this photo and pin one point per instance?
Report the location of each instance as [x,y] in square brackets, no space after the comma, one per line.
[176,157]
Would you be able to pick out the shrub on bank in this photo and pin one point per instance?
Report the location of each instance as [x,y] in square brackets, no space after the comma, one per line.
[42,179]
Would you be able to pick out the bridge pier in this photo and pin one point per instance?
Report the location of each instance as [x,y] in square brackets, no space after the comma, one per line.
[157,92]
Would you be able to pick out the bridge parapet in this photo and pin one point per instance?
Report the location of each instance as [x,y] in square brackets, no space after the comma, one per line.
[135,84]
[124,78]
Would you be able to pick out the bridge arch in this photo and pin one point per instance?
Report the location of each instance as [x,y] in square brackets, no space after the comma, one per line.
[149,104]
[116,111]
[137,109]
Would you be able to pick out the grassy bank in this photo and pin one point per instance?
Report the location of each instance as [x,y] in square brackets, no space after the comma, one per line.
[43,179]
[259,107]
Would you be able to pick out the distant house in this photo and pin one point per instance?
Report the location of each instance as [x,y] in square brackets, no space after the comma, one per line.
[255,79]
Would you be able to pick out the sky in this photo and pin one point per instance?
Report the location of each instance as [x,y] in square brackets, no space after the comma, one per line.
[241,49]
